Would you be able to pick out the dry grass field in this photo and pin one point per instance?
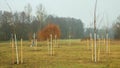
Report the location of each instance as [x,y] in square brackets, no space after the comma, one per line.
[76,55]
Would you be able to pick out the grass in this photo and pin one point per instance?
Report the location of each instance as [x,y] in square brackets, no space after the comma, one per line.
[76,55]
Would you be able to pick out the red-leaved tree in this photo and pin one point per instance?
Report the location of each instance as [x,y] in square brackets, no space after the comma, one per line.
[45,33]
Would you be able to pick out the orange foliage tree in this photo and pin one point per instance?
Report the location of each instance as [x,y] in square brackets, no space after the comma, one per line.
[45,33]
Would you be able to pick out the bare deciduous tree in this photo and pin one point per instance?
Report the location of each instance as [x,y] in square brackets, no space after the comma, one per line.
[41,15]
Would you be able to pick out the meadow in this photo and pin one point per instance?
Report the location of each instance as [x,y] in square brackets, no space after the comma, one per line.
[68,55]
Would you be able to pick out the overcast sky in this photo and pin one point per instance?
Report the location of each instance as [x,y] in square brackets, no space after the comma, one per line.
[80,9]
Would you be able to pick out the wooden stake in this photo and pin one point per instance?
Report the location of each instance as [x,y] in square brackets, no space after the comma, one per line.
[69,40]
[109,46]
[16,50]
[21,51]
[56,41]
[51,44]
[107,43]
[104,44]
[92,42]
[88,44]
[99,49]
[104,41]
[48,46]
[95,47]
[36,44]
[12,42]
[31,43]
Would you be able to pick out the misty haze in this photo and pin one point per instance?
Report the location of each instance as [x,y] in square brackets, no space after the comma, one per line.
[60,33]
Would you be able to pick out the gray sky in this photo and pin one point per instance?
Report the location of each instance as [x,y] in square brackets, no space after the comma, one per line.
[80,9]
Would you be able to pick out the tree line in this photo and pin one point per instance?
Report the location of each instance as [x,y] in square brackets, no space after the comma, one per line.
[24,25]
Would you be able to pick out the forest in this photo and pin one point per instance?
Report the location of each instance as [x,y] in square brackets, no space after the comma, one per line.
[24,25]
